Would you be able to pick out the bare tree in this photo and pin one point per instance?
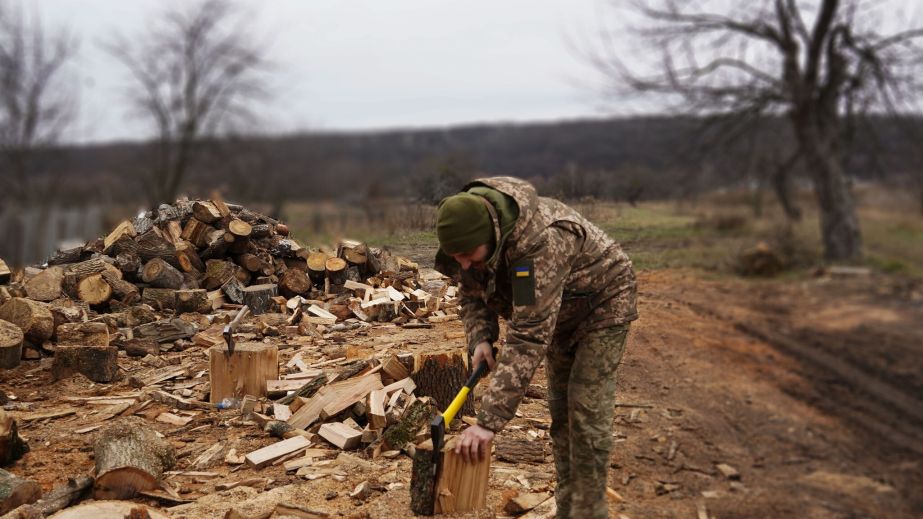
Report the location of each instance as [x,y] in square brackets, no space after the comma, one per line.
[821,65]
[197,74]
[35,108]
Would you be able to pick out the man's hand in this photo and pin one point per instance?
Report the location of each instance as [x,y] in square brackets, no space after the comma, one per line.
[474,443]
[483,351]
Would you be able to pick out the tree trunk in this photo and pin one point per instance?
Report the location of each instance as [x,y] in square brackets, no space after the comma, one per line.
[838,220]
[130,457]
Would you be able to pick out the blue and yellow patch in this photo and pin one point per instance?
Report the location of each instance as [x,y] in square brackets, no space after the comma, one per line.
[522,272]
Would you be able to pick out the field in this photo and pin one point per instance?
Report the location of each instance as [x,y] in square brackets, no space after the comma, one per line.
[808,383]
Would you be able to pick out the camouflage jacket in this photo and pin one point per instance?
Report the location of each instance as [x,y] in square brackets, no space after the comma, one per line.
[553,273]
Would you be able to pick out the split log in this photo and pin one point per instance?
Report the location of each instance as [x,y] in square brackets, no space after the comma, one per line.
[217,273]
[94,290]
[216,244]
[341,435]
[233,290]
[83,334]
[195,232]
[376,410]
[293,283]
[189,260]
[99,364]
[32,317]
[63,496]
[193,301]
[110,509]
[334,398]
[161,274]
[140,347]
[47,285]
[16,491]
[159,298]
[122,230]
[129,263]
[262,457]
[259,298]
[206,212]
[12,446]
[130,457]
[440,375]
[240,228]
[317,267]
[336,270]
[166,330]
[243,372]
[87,268]
[123,290]
[10,345]
[306,391]
[153,244]
[462,487]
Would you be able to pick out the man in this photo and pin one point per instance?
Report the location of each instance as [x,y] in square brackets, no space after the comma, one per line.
[567,292]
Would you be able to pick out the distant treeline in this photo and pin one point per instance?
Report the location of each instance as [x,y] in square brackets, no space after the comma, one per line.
[625,159]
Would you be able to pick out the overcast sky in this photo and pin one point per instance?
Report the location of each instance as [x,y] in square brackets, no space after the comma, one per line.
[358,64]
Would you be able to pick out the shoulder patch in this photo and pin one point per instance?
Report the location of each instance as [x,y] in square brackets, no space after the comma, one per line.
[523,274]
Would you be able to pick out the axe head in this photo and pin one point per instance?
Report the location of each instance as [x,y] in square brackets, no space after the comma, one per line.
[437,433]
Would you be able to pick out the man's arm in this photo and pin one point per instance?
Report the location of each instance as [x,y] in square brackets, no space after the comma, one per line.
[530,329]
[481,323]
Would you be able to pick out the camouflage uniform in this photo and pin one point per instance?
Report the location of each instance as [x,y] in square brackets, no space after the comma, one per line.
[568,294]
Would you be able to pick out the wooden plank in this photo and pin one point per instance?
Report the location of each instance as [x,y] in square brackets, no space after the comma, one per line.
[394,368]
[341,435]
[348,397]
[376,411]
[320,312]
[280,387]
[407,385]
[311,410]
[173,419]
[262,457]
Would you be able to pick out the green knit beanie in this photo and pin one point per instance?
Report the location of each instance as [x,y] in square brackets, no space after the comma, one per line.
[463,223]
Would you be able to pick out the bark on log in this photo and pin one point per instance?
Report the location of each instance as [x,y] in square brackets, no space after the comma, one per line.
[166,330]
[520,451]
[196,232]
[206,212]
[62,496]
[417,414]
[234,291]
[87,268]
[259,298]
[293,283]
[33,318]
[129,263]
[217,273]
[10,345]
[16,491]
[153,244]
[161,274]
[140,347]
[12,446]
[94,290]
[306,391]
[159,298]
[130,458]
[336,270]
[47,285]
[195,301]
[99,364]
[122,290]
[440,375]
[251,262]
[215,245]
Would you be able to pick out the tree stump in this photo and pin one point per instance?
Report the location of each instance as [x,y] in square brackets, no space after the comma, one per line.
[32,317]
[94,290]
[161,274]
[243,372]
[12,446]
[130,457]
[46,286]
[259,298]
[10,345]
[336,270]
[440,375]
[83,334]
[16,491]
[96,363]
[293,283]
[195,301]
[159,298]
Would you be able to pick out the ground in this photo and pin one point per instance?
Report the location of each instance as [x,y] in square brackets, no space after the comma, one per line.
[808,384]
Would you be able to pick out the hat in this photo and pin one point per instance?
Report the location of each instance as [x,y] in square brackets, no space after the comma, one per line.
[463,223]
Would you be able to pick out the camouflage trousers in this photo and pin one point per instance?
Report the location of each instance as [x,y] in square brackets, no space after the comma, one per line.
[581,398]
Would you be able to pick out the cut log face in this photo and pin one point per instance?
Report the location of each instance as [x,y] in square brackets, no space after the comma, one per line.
[240,228]
[16,491]
[130,458]
[12,446]
[32,317]
[243,372]
[293,283]
[336,270]
[99,364]
[341,435]
[47,285]
[462,487]
[192,301]
[94,290]
[161,274]
[83,334]
[10,345]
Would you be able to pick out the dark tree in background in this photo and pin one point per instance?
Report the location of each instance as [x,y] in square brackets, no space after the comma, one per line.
[197,74]
[822,65]
[36,107]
